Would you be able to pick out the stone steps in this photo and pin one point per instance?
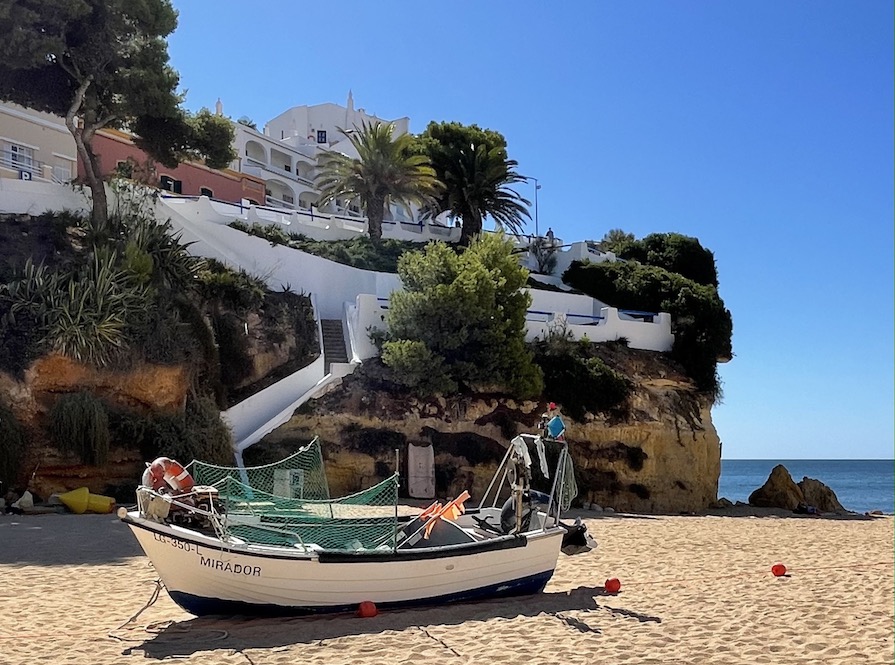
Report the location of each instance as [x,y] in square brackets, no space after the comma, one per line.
[333,342]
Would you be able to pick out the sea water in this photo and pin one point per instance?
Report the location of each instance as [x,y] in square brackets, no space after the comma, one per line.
[860,485]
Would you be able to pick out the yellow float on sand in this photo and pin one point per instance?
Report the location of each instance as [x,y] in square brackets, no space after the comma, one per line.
[82,501]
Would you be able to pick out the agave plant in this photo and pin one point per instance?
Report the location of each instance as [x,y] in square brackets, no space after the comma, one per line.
[88,319]
[173,267]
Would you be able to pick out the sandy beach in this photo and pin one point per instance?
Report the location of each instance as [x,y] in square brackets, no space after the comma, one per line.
[695,590]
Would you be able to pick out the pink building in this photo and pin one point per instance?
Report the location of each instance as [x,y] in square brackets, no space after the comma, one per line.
[116,151]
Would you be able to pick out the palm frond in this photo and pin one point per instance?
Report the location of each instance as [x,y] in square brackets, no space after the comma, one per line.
[382,173]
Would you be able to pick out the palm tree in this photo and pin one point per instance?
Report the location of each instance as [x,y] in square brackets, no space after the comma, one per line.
[473,165]
[476,179]
[383,173]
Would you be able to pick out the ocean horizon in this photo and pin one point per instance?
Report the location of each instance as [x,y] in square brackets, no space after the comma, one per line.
[861,485]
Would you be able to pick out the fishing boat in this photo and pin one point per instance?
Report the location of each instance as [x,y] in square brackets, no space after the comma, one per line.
[268,540]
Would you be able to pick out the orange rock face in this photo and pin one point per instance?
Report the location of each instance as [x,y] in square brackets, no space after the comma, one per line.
[143,388]
[155,387]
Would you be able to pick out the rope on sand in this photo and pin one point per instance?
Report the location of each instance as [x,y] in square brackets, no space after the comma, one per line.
[152,598]
[158,627]
[440,641]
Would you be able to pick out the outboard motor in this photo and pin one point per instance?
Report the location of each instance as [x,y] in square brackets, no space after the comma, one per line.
[508,514]
[576,539]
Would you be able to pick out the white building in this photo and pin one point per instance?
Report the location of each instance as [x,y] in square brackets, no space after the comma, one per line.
[285,155]
[35,145]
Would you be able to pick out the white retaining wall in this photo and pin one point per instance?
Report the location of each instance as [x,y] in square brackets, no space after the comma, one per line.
[332,283]
[263,412]
[28,197]
[313,224]
[608,325]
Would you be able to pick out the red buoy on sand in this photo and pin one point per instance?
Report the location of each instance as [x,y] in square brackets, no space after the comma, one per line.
[612,585]
[367,609]
[778,569]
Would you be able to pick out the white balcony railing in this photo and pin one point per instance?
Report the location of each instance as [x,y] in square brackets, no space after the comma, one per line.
[274,202]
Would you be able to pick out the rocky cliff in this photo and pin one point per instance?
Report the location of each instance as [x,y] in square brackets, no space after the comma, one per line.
[662,455]
[45,469]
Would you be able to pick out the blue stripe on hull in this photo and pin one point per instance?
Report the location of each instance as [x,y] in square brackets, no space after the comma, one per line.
[203,606]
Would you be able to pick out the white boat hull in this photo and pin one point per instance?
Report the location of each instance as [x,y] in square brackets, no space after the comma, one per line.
[206,576]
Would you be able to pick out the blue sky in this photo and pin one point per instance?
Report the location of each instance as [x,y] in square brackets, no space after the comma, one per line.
[765,129]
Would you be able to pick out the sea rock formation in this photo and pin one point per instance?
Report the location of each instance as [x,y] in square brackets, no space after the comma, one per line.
[664,456]
[820,496]
[781,491]
[778,491]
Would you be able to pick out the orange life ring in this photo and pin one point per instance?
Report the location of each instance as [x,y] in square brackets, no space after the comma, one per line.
[166,472]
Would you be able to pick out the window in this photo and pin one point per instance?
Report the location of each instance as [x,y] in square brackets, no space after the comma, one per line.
[170,184]
[20,155]
[17,156]
[321,136]
[62,174]
[204,191]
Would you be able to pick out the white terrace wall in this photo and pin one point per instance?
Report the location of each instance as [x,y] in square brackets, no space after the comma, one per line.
[609,324]
[577,251]
[566,303]
[580,251]
[332,283]
[28,197]
[313,224]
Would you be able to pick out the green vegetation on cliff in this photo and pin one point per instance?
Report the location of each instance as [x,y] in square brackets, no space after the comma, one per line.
[576,377]
[674,252]
[701,323]
[79,423]
[459,323]
[115,296]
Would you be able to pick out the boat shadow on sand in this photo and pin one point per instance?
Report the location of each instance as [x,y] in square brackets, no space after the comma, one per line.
[184,638]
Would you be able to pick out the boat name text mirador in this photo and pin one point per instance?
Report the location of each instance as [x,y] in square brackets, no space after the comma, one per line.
[227,567]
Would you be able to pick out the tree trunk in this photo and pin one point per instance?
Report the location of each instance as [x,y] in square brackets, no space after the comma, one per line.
[472,226]
[375,214]
[83,135]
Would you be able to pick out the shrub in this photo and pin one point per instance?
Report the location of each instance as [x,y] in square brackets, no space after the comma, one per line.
[79,424]
[702,325]
[162,335]
[576,378]
[418,367]
[20,340]
[672,251]
[198,433]
[235,289]
[12,447]
[464,314]
[88,319]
